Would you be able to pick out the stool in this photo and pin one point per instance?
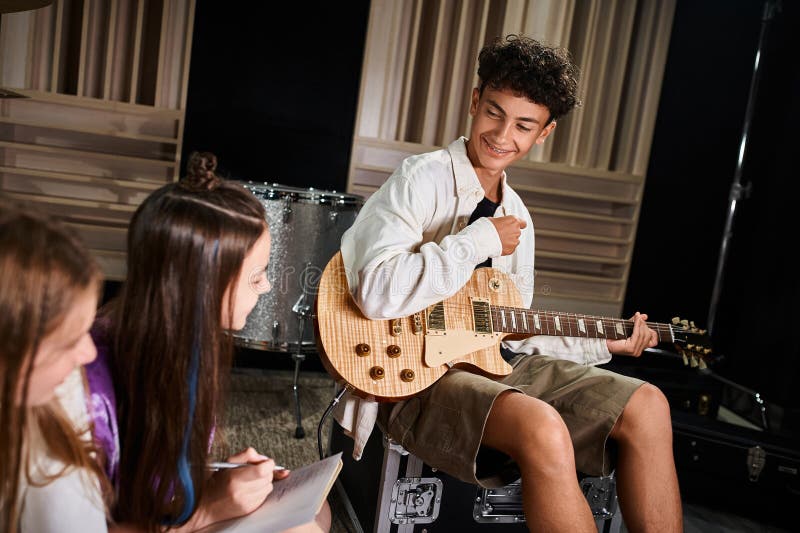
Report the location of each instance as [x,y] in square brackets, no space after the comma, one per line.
[424,499]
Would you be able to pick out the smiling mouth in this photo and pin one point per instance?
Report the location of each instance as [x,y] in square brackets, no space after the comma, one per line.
[492,148]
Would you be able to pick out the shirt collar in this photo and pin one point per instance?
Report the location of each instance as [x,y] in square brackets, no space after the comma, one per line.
[467,182]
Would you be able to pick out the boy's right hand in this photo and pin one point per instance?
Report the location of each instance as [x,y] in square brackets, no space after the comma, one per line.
[238,491]
[509,228]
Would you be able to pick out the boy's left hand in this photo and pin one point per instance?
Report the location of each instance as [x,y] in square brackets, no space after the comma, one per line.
[641,338]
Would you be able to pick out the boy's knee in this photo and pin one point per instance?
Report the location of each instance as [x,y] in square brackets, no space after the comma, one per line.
[646,414]
[650,401]
[543,437]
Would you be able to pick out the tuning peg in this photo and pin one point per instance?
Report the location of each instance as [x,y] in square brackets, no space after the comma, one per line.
[691,323]
[685,324]
[685,360]
[693,361]
[676,320]
[706,351]
[702,331]
[701,364]
[690,347]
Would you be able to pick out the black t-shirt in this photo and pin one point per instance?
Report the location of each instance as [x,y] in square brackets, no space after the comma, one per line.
[485,208]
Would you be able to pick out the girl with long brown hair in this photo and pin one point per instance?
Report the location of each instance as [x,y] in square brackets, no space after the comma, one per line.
[49,286]
[197,256]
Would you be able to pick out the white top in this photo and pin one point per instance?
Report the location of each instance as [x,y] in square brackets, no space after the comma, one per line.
[71,503]
[411,247]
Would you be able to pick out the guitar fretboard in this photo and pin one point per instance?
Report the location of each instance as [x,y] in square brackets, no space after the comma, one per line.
[531,322]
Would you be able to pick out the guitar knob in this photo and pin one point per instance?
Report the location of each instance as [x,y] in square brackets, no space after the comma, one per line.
[407,375]
[393,351]
[362,350]
[377,372]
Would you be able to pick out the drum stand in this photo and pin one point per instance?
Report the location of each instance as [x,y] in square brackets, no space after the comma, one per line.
[303,312]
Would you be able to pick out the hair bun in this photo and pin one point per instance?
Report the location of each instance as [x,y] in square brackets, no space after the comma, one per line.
[200,172]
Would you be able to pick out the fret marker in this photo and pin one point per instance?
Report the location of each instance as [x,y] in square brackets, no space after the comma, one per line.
[513,320]
[600,327]
[620,329]
[525,320]
[581,326]
[558,323]
[503,317]
[536,323]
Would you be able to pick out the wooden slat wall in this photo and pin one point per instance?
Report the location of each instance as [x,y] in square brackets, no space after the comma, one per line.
[583,186]
[97,133]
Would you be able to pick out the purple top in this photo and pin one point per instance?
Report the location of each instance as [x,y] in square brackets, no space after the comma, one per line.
[102,401]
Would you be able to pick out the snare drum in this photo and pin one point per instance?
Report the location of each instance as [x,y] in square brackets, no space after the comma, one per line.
[306,227]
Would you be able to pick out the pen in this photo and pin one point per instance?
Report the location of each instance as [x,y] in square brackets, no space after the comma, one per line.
[221,465]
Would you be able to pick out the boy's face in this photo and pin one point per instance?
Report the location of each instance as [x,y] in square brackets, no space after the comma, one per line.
[504,128]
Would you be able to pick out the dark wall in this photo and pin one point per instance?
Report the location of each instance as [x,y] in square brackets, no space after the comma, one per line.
[692,166]
[273,89]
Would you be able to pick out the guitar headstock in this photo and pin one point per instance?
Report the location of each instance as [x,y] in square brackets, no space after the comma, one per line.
[693,343]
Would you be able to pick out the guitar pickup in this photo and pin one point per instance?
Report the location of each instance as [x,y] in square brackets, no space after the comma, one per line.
[482,316]
[436,320]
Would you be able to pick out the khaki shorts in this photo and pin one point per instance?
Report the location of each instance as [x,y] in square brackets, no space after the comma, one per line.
[443,425]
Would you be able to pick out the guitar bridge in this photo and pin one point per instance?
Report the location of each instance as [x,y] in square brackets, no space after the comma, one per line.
[482,316]
[416,324]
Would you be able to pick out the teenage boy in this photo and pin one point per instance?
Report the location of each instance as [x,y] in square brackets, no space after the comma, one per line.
[418,239]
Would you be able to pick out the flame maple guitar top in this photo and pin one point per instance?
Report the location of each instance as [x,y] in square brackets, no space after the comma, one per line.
[387,359]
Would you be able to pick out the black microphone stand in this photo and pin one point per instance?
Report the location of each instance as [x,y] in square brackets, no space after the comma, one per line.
[740,190]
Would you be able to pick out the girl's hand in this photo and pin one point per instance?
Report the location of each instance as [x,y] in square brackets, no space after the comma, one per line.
[235,492]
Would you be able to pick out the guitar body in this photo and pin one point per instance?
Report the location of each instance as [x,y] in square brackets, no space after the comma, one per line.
[391,360]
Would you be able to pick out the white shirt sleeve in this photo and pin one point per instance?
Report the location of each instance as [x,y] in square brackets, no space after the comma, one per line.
[576,349]
[388,276]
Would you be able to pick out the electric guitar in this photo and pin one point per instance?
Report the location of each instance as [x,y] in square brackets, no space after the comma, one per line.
[391,360]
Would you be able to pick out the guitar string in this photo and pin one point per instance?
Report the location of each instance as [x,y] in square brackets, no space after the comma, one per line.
[568,318]
[570,321]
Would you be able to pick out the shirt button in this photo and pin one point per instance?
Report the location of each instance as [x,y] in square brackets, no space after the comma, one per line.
[462,225]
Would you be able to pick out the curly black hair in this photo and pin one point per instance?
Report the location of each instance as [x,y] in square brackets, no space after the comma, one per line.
[545,75]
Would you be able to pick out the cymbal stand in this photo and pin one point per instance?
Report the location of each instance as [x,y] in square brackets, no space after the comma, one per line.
[303,312]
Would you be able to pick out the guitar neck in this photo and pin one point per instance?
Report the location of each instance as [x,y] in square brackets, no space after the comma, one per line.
[528,322]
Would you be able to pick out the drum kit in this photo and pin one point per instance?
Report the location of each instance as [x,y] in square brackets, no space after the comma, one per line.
[306,227]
